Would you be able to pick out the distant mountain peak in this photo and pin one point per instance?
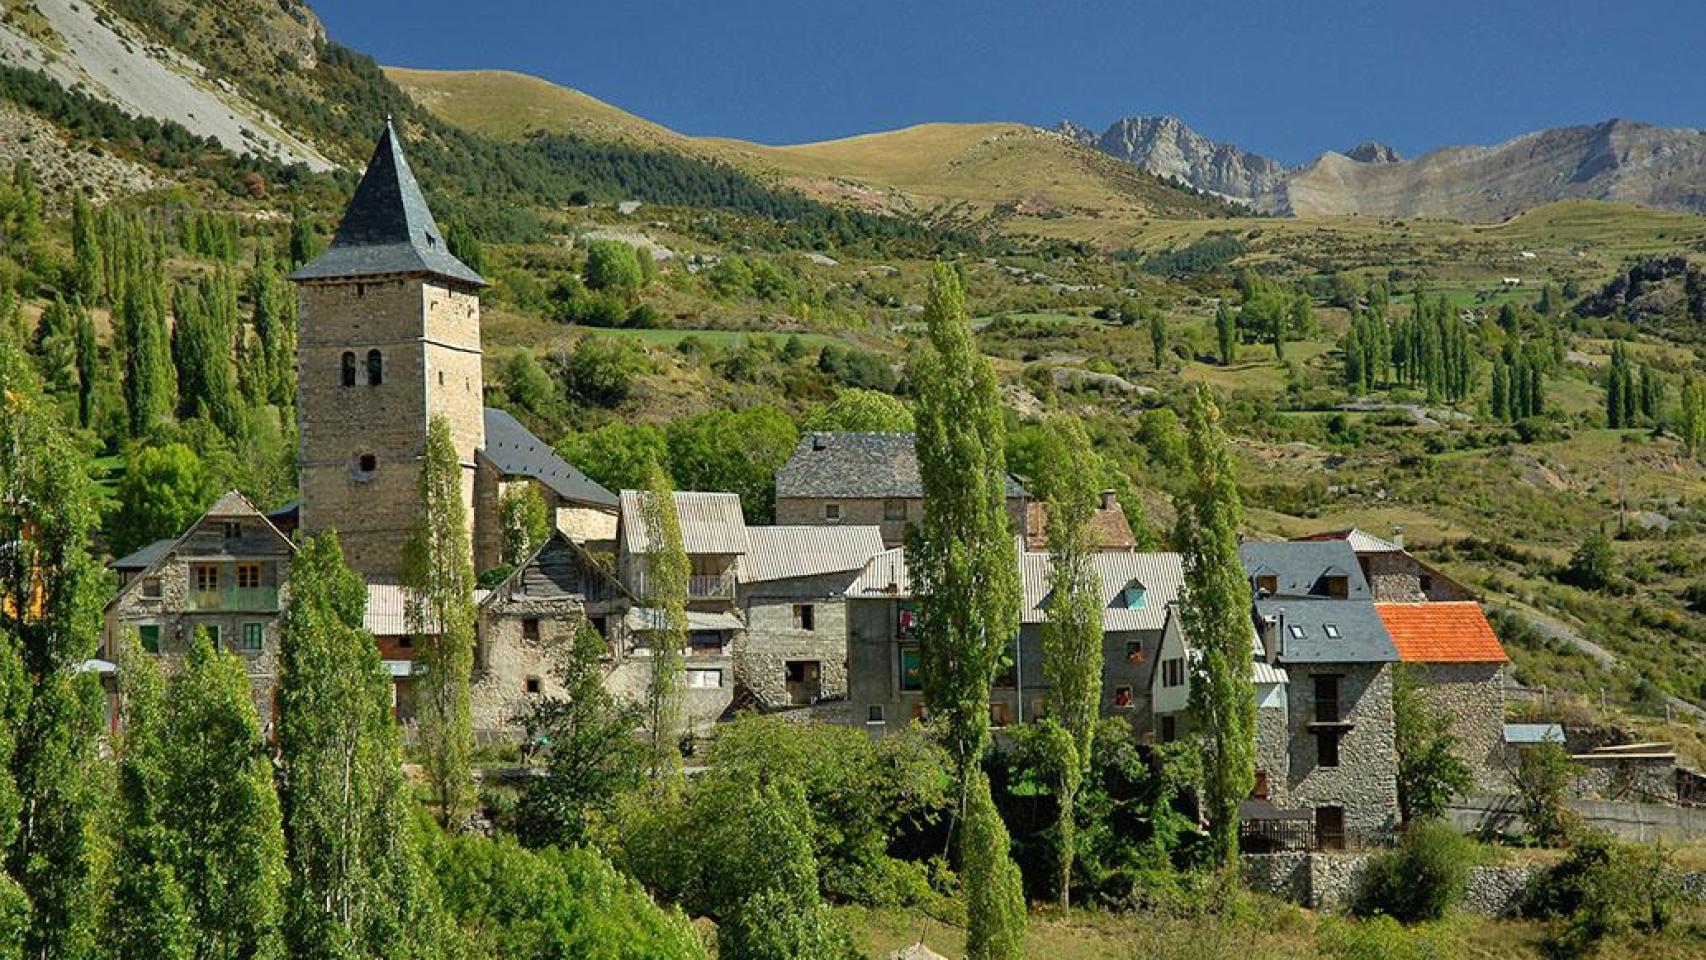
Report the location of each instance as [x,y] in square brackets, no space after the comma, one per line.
[1373,151]
[1167,147]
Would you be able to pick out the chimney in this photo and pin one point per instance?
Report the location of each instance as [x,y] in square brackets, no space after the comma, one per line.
[1398,536]
[1110,500]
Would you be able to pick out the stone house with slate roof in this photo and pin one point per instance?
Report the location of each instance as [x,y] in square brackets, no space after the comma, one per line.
[227,574]
[1393,573]
[885,685]
[862,479]
[513,457]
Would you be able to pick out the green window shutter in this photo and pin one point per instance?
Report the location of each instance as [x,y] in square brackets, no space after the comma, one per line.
[149,635]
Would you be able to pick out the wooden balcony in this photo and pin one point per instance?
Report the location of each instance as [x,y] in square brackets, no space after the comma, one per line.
[711,586]
[235,599]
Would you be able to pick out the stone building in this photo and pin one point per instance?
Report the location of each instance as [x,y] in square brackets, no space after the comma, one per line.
[1393,573]
[227,575]
[885,685]
[526,624]
[793,597]
[513,458]
[714,535]
[388,338]
[863,479]
[1458,665]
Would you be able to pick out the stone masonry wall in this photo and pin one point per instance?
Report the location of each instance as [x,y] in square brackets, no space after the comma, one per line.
[870,512]
[507,659]
[772,638]
[1365,783]
[1471,695]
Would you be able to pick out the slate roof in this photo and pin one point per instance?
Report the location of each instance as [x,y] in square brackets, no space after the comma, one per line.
[857,466]
[1361,541]
[388,228]
[516,452]
[1301,566]
[1304,638]
[711,523]
[1441,632]
[144,558]
[787,552]
[1159,574]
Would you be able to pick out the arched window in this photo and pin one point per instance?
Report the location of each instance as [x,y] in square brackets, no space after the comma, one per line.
[349,369]
[375,368]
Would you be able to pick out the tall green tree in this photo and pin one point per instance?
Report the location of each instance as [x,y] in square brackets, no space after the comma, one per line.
[1226,333]
[865,411]
[201,813]
[164,489]
[1157,337]
[995,891]
[665,595]
[437,575]
[148,388]
[1072,633]
[1430,773]
[963,564]
[89,275]
[356,887]
[88,357]
[526,522]
[592,755]
[1693,424]
[1214,607]
[51,595]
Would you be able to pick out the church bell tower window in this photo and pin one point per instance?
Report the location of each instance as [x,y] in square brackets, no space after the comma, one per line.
[375,368]
[349,369]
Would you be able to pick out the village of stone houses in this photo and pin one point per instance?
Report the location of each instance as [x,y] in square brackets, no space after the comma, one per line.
[444,516]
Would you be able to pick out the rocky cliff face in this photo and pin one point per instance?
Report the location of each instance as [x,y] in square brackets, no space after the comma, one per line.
[1166,147]
[1373,151]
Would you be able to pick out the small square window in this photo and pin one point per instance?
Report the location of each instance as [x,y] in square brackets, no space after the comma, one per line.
[1268,584]
[368,463]
[1427,583]
[1134,651]
[530,628]
[894,510]
[534,686]
[406,642]
[254,635]
[1122,698]
[248,576]
[151,588]
[704,679]
[1297,632]
[206,577]
[233,529]
[998,714]
[832,512]
[874,713]
[805,616]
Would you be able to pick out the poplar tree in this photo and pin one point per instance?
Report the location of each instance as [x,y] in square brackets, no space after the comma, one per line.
[665,596]
[1225,332]
[50,710]
[89,276]
[1616,385]
[965,573]
[1500,391]
[274,320]
[1214,607]
[995,890]
[1072,632]
[1693,416]
[88,355]
[147,363]
[355,887]
[437,576]
[1157,335]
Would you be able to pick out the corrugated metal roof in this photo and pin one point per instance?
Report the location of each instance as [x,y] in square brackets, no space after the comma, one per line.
[711,523]
[838,463]
[1534,733]
[884,575]
[1158,575]
[1264,672]
[515,451]
[1360,541]
[388,610]
[388,227]
[787,552]
[648,619]
[144,558]
[1441,632]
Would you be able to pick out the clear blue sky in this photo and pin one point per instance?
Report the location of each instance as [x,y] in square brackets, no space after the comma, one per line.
[1289,79]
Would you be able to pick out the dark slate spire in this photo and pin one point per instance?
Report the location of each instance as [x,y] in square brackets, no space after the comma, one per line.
[388,228]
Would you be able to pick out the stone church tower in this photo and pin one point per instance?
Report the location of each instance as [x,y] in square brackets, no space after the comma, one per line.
[389,336]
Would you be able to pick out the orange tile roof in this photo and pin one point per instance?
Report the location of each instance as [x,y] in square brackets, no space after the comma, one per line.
[1455,632]
[1108,528]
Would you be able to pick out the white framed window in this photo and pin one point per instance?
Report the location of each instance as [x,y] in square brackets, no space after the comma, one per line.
[704,679]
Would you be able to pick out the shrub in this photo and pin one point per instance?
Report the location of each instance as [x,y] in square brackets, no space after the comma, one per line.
[602,371]
[1383,938]
[1603,888]
[1543,774]
[1422,879]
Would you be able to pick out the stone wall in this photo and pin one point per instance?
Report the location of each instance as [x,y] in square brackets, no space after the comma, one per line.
[429,340]
[1271,745]
[1365,782]
[870,512]
[1401,578]
[507,661]
[1472,697]
[773,637]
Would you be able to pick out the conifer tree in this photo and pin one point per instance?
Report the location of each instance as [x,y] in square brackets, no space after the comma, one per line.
[1214,606]
[148,389]
[355,887]
[50,710]
[437,575]
[665,595]
[1157,336]
[965,572]
[1225,332]
[1072,634]
[88,356]
[1619,404]
[1500,398]
[1693,416]
[89,275]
